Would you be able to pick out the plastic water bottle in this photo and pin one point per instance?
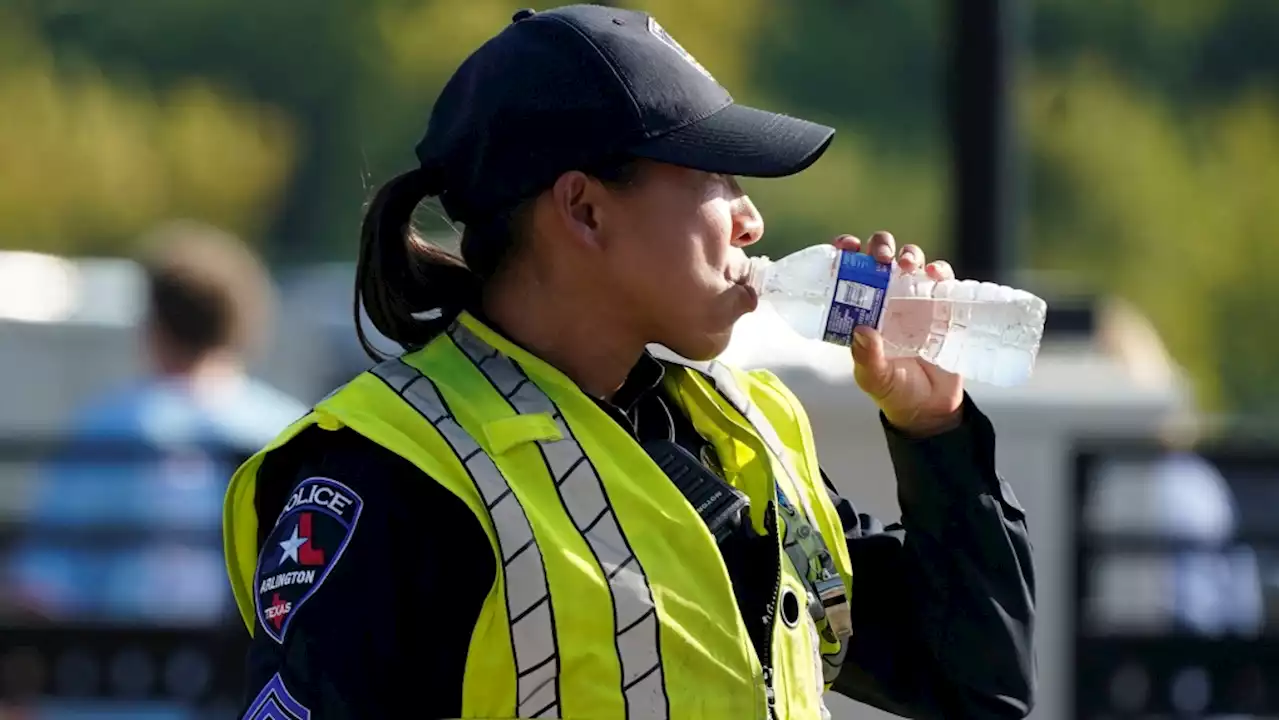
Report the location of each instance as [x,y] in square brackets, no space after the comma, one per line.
[982,331]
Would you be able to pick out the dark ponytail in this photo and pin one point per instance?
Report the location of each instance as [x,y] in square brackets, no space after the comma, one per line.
[410,289]
[413,290]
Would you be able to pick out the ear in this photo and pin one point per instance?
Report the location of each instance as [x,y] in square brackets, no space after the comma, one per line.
[576,203]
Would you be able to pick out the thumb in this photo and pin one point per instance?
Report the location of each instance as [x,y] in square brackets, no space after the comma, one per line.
[870,367]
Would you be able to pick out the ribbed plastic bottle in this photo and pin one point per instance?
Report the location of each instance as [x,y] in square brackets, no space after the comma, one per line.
[982,331]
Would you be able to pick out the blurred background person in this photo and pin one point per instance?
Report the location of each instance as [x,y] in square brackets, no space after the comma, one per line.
[124,524]
[1208,583]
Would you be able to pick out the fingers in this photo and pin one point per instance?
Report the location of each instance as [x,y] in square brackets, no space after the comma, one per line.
[880,247]
[847,242]
[911,258]
[870,367]
[940,270]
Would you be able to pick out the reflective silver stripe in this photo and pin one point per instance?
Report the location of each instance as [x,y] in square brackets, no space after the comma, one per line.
[727,384]
[722,377]
[584,498]
[533,639]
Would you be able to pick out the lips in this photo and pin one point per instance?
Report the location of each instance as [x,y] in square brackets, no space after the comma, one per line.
[752,296]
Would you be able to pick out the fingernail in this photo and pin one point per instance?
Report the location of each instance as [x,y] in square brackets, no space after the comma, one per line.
[860,337]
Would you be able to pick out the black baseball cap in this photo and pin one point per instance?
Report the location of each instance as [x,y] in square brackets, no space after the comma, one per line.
[570,88]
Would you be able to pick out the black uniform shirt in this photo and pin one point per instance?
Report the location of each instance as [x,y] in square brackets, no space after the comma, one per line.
[942,609]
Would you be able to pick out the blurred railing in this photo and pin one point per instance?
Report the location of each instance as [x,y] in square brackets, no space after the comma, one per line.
[1175,598]
[113,598]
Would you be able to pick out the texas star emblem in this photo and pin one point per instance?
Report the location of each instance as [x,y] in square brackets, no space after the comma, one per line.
[303,548]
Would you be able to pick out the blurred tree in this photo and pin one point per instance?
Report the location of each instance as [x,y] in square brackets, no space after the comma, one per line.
[313,60]
[90,161]
[1150,129]
[873,70]
[875,65]
[358,79]
[1241,170]
[1175,212]
[1194,51]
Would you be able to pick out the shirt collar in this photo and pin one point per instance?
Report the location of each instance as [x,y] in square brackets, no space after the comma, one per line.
[644,378]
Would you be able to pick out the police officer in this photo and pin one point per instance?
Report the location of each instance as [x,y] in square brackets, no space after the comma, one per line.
[528,515]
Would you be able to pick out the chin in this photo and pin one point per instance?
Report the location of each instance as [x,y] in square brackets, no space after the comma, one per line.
[703,347]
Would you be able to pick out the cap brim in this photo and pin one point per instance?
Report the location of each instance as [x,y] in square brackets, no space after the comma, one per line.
[740,140]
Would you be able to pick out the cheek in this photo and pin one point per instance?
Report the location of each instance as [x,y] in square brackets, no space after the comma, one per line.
[703,251]
[714,249]
[674,259]
[716,234]
[660,249]
[643,269]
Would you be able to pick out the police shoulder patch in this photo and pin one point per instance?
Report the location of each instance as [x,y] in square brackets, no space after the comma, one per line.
[308,540]
[276,703]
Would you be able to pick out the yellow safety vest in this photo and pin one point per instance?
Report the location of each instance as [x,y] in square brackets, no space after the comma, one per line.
[611,598]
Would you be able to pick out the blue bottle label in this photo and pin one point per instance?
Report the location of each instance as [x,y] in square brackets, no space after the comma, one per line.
[860,288]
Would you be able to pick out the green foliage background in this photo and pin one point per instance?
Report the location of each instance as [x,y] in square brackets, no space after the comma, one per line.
[1149,134]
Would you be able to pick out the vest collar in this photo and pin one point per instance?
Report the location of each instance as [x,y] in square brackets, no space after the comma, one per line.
[719,374]
[645,376]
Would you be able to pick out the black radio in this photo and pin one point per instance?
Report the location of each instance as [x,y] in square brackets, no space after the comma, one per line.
[720,505]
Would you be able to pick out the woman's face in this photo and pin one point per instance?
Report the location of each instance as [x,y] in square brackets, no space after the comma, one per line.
[673,253]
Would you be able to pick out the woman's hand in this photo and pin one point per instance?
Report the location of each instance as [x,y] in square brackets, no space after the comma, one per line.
[917,397]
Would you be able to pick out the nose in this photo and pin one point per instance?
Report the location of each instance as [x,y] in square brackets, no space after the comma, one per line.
[748,225]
